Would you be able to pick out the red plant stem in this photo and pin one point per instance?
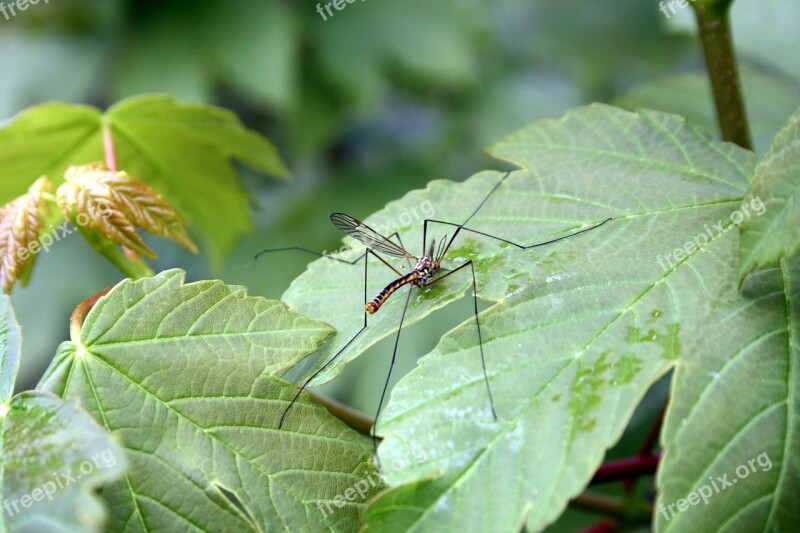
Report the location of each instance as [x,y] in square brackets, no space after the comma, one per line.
[607,526]
[651,440]
[649,444]
[108,145]
[626,468]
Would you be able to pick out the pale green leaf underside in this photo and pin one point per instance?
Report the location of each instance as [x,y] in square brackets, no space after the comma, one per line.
[54,456]
[767,238]
[9,349]
[181,372]
[176,148]
[9,367]
[578,330]
[734,411]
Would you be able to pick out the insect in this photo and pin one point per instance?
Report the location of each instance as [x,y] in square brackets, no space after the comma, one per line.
[424,271]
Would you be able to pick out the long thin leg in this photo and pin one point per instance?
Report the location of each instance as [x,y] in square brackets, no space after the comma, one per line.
[477,323]
[312,252]
[389,375]
[459,226]
[400,241]
[318,254]
[332,359]
[520,246]
[328,256]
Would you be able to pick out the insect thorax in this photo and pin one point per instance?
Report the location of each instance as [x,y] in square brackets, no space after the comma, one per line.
[426,268]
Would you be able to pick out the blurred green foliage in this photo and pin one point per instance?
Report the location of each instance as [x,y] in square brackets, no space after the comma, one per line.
[376,101]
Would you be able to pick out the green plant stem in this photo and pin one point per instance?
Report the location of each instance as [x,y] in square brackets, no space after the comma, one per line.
[600,503]
[715,33]
[355,419]
[133,267]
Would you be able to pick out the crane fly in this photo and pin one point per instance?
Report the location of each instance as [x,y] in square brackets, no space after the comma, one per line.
[423,273]
[422,270]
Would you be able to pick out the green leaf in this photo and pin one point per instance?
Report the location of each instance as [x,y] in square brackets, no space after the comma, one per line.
[251,48]
[10,343]
[775,191]
[575,332]
[53,449]
[52,454]
[734,408]
[181,371]
[256,45]
[176,148]
[438,53]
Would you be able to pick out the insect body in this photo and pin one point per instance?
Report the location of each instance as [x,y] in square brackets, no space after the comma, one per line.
[420,275]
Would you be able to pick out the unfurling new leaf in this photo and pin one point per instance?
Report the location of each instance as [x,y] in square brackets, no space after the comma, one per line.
[114,204]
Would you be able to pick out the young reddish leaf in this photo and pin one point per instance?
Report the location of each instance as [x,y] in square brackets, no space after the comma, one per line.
[20,224]
[114,204]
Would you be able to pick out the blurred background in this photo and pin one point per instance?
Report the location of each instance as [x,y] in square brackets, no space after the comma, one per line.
[364,106]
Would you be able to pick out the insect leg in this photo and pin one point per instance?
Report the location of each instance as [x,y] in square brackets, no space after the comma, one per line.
[312,252]
[460,226]
[332,359]
[389,374]
[520,246]
[477,324]
[400,241]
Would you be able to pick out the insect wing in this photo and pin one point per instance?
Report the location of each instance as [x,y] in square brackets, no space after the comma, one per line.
[366,235]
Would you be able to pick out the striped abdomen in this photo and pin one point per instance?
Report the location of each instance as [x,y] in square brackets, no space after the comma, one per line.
[376,303]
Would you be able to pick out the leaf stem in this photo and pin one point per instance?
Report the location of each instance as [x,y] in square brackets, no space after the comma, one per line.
[80,312]
[626,468]
[713,22]
[606,526]
[131,266]
[108,146]
[650,442]
[617,509]
[651,439]
[600,503]
[353,418]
